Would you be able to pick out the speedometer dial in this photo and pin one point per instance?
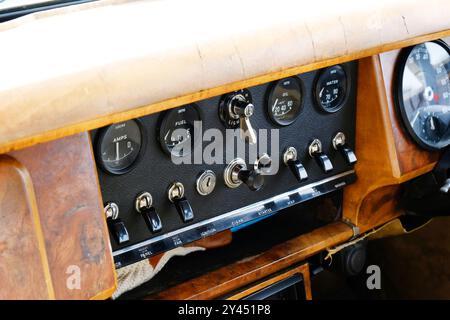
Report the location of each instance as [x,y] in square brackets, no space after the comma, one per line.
[423,93]
[284,101]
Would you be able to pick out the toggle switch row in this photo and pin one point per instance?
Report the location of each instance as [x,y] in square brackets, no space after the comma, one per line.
[315,150]
[237,173]
[144,206]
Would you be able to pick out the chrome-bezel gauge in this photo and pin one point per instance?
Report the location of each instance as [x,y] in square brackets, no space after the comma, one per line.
[119,146]
[422,93]
[331,89]
[176,120]
[284,101]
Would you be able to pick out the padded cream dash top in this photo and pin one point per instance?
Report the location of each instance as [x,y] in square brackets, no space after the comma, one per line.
[80,63]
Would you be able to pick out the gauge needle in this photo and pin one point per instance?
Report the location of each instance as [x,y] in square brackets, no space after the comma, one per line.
[415,117]
[433,127]
[117,150]
[275,104]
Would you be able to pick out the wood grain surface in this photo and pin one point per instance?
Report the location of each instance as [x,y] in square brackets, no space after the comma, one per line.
[24,270]
[244,272]
[410,156]
[386,156]
[70,209]
[303,270]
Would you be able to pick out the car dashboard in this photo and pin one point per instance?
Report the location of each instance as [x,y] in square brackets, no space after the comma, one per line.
[246,153]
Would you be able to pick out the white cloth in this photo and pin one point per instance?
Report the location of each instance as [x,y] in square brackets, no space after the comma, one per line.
[134,275]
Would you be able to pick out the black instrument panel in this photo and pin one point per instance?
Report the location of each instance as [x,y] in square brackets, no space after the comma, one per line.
[297,121]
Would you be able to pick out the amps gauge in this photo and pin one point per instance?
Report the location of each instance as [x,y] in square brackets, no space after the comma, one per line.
[119,146]
[422,93]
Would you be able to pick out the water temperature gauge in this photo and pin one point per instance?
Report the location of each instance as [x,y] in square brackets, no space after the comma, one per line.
[331,89]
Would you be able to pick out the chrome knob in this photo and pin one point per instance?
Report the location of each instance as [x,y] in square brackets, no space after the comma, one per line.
[111,210]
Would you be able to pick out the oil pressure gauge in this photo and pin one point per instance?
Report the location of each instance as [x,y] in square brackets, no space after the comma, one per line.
[422,93]
[284,101]
[118,146]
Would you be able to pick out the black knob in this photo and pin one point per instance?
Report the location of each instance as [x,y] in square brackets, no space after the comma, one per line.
[353,258]
[152,219]
[348,154]
[254,180]
[118,230]
[316,151]
[324,162]
[298,170]
[184,209]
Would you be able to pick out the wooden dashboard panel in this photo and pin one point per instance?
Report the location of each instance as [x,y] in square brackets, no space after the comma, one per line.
[70,212]
[302,269]
[24,271]
[387,157]
[410,156]
[232,277]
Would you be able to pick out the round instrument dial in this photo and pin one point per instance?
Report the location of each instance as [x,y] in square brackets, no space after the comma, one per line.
[331,89]
[423,93]
[118,146]
[284,101]
[176,130]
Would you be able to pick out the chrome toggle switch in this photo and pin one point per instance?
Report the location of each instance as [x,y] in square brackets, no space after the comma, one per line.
[316,152]
[340,144]
[115,224]
[263,164]
[144,205]
[175,193]
[296,167]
